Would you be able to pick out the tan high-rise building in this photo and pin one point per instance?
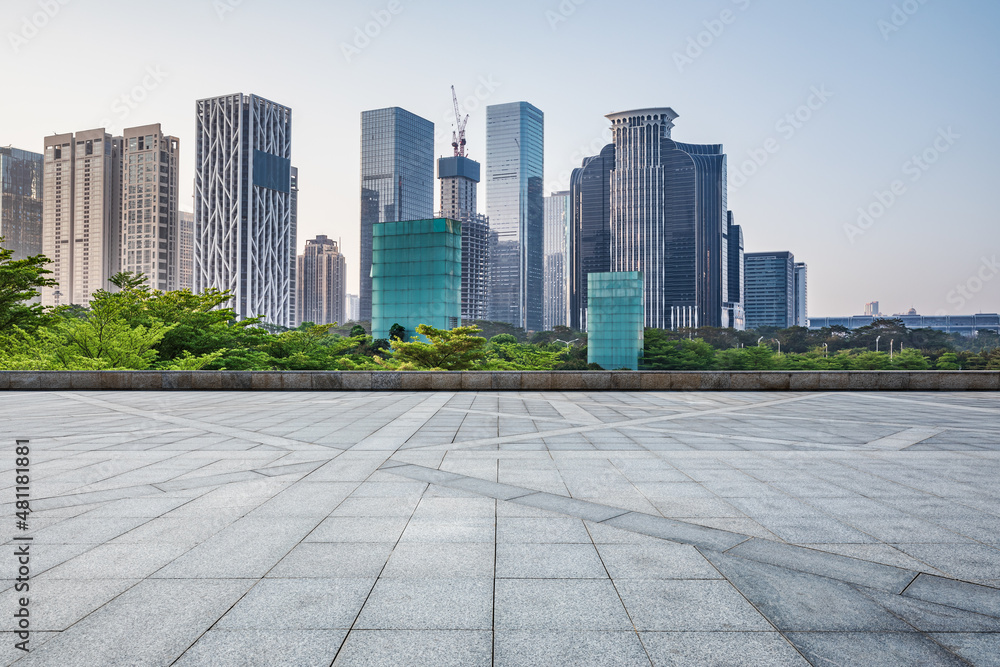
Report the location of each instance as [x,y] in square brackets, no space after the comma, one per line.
[321,283]
[150,230]
[81,223]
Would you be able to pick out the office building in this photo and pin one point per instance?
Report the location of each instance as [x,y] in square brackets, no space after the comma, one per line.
[590,239]
[81,223]
[185,250]
[21,201]
[872,309]
[734,276]
[416,275]
[967,325]
[801,295]
[770,289]
[149,227]
[244,235]
[353,307]
[397,179]
[322,283]
[459,177]
[616,316]
[515,163]
[668,216]
[556,287]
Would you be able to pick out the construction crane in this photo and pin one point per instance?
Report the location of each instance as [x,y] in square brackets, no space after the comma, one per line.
[458,138]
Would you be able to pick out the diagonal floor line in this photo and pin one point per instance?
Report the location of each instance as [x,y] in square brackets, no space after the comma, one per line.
[209,427]
[614,425]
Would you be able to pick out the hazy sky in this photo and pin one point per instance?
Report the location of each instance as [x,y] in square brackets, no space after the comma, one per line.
[887,80]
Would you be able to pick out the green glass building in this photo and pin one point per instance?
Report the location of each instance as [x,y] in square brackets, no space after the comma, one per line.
[416,275]
[615,319]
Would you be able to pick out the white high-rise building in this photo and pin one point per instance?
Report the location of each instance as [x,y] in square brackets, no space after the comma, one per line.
[185,250]
[244,237]
[556,288]
[81,222]
[801,295]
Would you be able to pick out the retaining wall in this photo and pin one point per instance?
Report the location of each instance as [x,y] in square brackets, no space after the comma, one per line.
[500,381]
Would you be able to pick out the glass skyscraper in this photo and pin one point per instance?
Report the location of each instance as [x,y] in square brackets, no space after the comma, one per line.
[244,237]
[770,289]
[557,227]
[615,312]
[801,295]
[590,240]
[515,163]
[397,179]
[733,276]
[668,217]
[416,275]
[21,201]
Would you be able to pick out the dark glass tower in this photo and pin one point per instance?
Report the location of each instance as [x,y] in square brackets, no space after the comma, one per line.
[590,239]
[21,201]
[397,179]
[668,217]
[770,290]
[734,269]
[515,140]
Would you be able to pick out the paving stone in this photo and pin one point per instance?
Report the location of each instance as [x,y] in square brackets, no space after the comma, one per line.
[440,604]
[721,649]
[450,560]
[549,561]
[544,649]
[299,604]
[656,560]
[417,648]
[981,649]
[559,604]
[263,648]
[959,594]
[877,649]
[672,605]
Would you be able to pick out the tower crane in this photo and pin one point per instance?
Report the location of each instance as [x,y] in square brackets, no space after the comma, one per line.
[458,138]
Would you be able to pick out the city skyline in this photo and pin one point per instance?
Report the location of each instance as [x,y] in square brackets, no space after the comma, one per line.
[795,182]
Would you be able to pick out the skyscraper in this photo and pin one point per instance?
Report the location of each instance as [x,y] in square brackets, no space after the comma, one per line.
[244,235]
[150,234]
[801,295]
[322,283]
[515,163]
[459,177]
[668,216]
[81,226]
[397,179]
[21,201]
[770,289]
[556,287]
[590,238]
[185,250]
[872,309]
[734,276]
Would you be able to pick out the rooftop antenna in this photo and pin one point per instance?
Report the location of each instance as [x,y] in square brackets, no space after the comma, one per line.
[458,137]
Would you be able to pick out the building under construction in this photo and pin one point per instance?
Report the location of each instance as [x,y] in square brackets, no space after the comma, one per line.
[459,176]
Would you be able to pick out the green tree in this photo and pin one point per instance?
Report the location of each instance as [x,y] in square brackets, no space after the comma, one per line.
[948,362]
[910,360]
[397,332]
[455,350]
[20,281]
[871,361]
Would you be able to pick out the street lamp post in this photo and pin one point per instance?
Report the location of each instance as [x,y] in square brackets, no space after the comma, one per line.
[876,343]
[891,343]
[759,340]
[779,345]
[826,350]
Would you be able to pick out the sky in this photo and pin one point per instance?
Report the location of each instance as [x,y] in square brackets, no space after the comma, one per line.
[861,134]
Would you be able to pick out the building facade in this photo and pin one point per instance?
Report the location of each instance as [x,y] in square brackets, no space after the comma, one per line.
[244,234]
[81,223]
[967,325]
[185,250]
[668,217]
[416,275]
[616,314]
[872,309]
[21,199]
[590,238]
[734,276]
[322,283]
[770,289]
[150,229]
[397,179]
[515,164]
[801,295]
[459,177]
[353,307]
[555,293]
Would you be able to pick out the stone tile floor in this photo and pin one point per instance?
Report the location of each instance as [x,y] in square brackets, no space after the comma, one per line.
[612,528]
